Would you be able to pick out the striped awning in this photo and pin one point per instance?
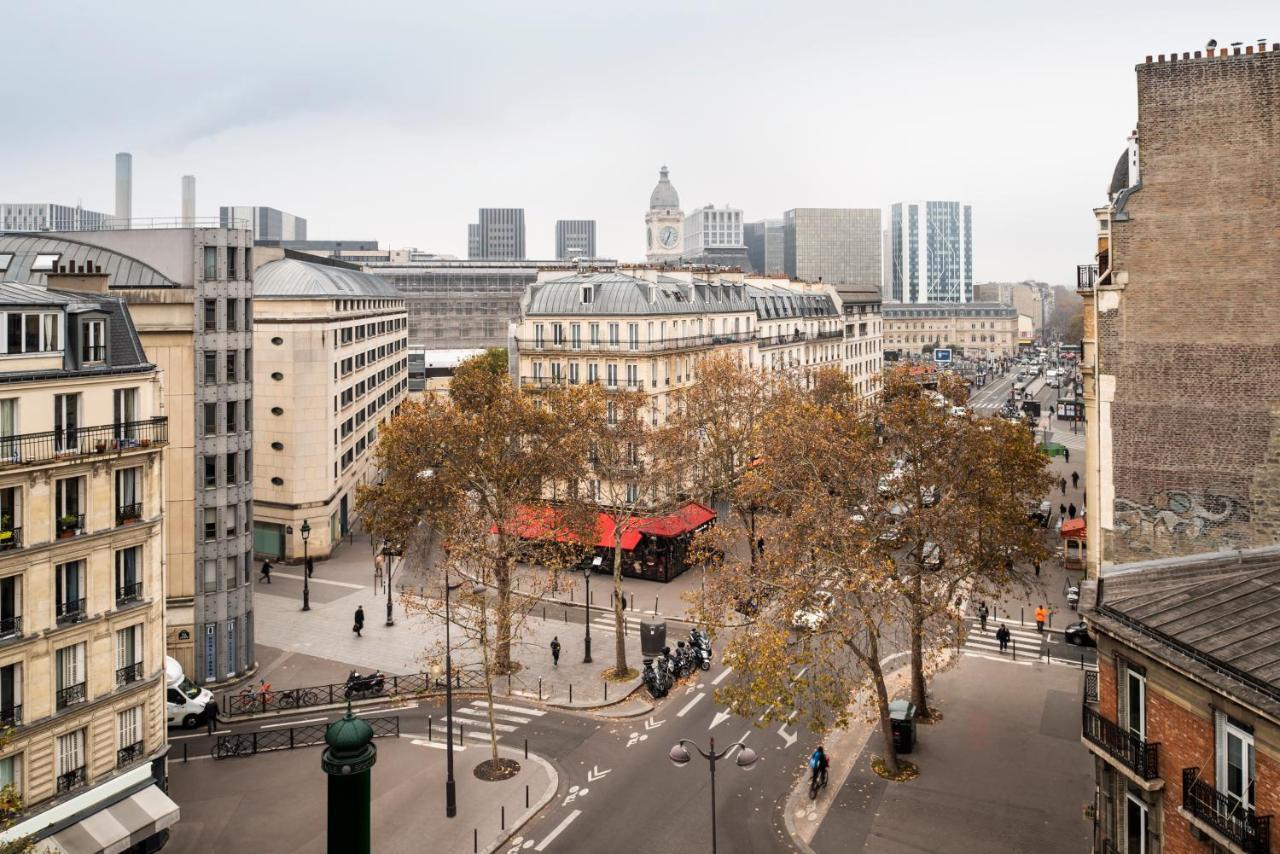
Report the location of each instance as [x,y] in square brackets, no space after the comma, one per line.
[118,827]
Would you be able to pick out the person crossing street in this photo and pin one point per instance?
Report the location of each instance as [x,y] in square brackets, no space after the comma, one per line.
[1041,616]
[982,615]
[555,651]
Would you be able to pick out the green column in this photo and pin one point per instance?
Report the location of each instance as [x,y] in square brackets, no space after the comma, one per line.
[348,760]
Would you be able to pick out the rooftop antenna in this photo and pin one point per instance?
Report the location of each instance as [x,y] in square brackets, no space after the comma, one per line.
[1211,45]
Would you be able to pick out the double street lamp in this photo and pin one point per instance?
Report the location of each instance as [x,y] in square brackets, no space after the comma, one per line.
[680,755]
[586,603]
[388,552]
[306,588]
[450,788]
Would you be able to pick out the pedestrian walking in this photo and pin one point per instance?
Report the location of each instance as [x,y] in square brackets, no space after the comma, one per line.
[311,565]
[1066,453]
[1062,510]
[358,625]
[1002,635]
[265,575]
[555,651]
[211,715]
[982,615]
[1075,480]
[1071,511]
[1062,485]
[1037,566]
[1041,616]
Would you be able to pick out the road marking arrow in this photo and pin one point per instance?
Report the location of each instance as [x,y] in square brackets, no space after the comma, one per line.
[652,724]
[595,773]
[720,718]
[788,737]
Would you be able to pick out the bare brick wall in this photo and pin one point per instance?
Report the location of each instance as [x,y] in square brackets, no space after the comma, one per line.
[1195,342]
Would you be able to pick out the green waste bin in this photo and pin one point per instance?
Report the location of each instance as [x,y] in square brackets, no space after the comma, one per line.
[902,720]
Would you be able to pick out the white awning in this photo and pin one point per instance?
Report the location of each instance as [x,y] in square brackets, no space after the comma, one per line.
[118,827]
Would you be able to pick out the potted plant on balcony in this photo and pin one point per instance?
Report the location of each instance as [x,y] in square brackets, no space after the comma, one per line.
[6,530]
[67,526]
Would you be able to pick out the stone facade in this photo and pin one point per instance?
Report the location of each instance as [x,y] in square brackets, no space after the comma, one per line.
[977,329]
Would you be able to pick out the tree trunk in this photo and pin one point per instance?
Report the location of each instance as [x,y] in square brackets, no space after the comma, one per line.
[919,690]
[619,622]
[502,579]
[882,703]
[488,682]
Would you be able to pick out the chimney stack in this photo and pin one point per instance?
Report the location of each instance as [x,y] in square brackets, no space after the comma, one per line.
[124,187]
[188,200]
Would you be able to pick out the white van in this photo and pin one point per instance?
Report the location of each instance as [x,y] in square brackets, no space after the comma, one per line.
[186,700]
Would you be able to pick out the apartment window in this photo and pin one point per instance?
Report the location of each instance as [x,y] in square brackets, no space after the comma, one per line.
[231,262]
[11,766]
[71,761]
[233,468]
[9,429]
[210,576]
[210,419]
[1236,761]
[633,336]
[10,696]
[1136,702]
[633,493]
[573,373]
[124,415]
[93,341]
[231,366]
[557,333]
[66,421]
[69,591]
[1136,831]
[210,315]
[210,471]
[233,312]
[611,375]
[211,262]
[633,378]
[613,334]
[594,329]
[587,292]
[128,575]
[128,655]
[70,675]
[248,303]
[575,335]
[231,416]
[68,499]
[10,517]
[128,495]
[611,412]
[129,736]
[538,335]
[210,523]
[593,372]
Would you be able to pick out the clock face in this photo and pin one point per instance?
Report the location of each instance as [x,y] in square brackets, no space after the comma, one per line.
[668,236]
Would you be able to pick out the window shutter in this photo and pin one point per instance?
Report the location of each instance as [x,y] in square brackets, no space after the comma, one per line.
[1122,692]
[1219,750]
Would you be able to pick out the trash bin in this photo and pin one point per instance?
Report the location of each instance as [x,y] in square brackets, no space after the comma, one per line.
[653,637]
[902,720]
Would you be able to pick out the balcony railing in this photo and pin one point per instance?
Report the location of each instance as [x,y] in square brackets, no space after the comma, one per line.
[1139,756]
[687,342]
[71,611]
[1086,276]
[127,593]
[1091,686]
[68,525]
[129,755]
[73,442]
[71,695]
[128,513]
[10,538]
[783,340]
[1226,815]
[129,673]
[72,780]
[830,333]
[10,626]
[11,715]
[563,381]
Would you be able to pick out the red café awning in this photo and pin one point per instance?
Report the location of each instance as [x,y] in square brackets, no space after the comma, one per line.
[536,523]
[1074,529]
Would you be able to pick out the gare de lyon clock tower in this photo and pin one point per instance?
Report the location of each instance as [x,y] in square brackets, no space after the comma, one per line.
[664,223]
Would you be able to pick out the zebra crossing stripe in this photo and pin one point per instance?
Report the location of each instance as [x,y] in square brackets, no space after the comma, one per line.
[480,719]
[520,710]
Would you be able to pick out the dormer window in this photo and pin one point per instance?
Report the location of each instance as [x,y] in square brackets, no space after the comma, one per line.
[93,341]
[44,262]
[31,332]
[586,294]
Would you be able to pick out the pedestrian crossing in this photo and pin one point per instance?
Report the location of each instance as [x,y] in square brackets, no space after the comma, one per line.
[471,723]
[603,621]
[1024,644]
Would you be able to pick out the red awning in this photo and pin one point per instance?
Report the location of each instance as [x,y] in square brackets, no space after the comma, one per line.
[630,534]
[688,518]
[1074,528]
[538,523]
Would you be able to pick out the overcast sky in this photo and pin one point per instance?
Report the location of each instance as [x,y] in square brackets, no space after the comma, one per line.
[395,121]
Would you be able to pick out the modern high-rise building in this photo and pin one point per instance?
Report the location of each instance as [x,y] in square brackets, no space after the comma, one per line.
[498,236]
[188,200]
[663,223]
[575,238]
[840,246]
[931,252]
[766,244]
[189,293]
[267,223]
[124,188]
[714,236]
[45,216]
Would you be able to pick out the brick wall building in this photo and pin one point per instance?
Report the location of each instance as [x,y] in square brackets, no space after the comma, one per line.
[1182,326]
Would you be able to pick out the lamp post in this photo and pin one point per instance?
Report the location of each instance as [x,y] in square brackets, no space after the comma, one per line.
[746,757]
[450,790]
[306,588]
[388,552]
[586,604]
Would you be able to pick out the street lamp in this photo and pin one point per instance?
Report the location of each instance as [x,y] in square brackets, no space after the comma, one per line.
[586,603]
[450,790]
[306,588]
[746,757]
[388,552]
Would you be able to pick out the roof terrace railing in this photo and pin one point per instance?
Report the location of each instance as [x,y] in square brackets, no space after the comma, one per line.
[112,223]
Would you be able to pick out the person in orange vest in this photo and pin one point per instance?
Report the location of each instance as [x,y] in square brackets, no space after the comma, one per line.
[1041,616]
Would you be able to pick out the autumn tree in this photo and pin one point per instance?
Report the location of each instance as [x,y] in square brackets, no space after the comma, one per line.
[474,468]
[11,808]
[821,572]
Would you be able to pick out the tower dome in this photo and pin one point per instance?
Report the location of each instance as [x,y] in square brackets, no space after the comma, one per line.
[664,195]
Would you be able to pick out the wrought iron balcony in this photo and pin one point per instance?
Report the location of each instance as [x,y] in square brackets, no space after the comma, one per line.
[71,695]
[1091,686]
[127,593]
[563,381]
[784,339]
[667,345]
[10,538]
[72,611]
[10,627]
[1086,276]
[1226,815]
[11,715]
[129,755]
[74,442]
[128,513]
[69,524]
[1139,756]
[129,673]
[72,779]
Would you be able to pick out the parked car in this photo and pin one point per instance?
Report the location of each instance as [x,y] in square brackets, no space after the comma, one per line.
[1077,634]
[931,556]
[813,614]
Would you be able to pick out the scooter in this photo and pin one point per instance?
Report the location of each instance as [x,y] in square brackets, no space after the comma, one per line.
[656,680]
[701,646]
[1073,597]
[372,683]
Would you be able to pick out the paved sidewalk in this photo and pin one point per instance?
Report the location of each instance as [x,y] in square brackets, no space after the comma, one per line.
[277,801]
[1003,771]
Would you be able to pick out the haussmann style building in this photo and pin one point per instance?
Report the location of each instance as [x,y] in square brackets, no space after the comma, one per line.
[974,330]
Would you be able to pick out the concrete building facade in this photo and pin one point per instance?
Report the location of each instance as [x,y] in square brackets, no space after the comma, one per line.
[267,223]
[766,246]
[499,235]
[331,368]
[839,246]
[189,292]
[82,515]
[974,329]
[575,238]
[931,252]
[46,216]
[1186,459]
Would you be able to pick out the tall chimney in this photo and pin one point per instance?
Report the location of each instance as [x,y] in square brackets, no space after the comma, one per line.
[188,200]
[124,186]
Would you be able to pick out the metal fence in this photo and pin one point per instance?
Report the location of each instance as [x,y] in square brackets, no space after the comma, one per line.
[255,702]
[265,741]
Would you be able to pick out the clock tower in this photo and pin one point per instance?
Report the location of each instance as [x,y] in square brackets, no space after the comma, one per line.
[663,223]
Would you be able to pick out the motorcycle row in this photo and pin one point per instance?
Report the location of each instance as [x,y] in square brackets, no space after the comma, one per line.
[665,671]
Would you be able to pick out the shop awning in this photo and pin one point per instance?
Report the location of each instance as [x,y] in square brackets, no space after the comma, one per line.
[1074,528]
[539,523]
[118,827]
[690,517]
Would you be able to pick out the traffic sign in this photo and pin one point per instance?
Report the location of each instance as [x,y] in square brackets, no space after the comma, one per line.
[942,356]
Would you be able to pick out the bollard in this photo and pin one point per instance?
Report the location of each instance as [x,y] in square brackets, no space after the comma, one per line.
[428,727]
[544,612]
[566,617]
[184,744]
[539,687]
[526,756]
[571,591]
[503,826]
[593,599]
[655,606]
[475,840]
[1015,648]
[606,689]
[1022,616]
[526,790]
[571,693]
[508,684]
[460,725]
[1082,661]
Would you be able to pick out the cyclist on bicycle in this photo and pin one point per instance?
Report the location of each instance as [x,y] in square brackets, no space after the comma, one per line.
[818,763]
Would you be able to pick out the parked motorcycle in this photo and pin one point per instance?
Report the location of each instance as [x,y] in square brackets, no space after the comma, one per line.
[656,679]
[701,646]
[1073,597]
[370,683]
